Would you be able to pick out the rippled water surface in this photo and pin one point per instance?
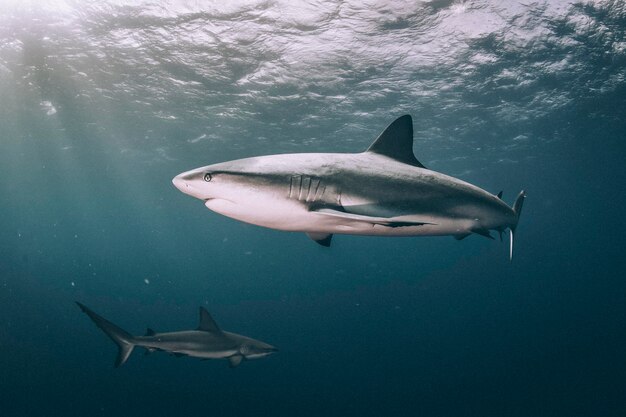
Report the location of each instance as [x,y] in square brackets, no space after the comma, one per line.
[103,102]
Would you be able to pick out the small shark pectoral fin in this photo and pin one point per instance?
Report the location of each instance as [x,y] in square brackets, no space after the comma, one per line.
[396,142]
[149,351]
[360,218]
[321,238]
[234,361]
[207,323]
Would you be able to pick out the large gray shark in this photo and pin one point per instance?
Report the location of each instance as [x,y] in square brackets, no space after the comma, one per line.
[384,191]
[207,342]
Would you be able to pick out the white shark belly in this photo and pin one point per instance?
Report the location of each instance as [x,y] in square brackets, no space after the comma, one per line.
[204,354]
[280,214]
[289,215]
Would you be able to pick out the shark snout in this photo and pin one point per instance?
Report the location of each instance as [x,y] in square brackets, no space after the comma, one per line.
[260,350]
[190,183]
[180,183]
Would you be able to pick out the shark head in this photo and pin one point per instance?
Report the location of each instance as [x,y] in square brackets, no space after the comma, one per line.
[204,183]
[254,349]
[232,180]
[252,190]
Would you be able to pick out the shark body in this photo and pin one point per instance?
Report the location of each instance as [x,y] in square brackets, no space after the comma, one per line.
[208,341]
[384,191]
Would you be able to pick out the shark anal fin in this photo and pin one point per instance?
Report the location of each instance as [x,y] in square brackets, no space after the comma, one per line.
[483,232]
[321,238]
[461,236]
[207,323]
[235,361]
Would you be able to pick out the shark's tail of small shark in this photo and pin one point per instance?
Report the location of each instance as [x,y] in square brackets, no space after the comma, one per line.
[122,338]
[517,209]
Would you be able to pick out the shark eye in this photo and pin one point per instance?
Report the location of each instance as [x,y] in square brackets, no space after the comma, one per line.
[208,177]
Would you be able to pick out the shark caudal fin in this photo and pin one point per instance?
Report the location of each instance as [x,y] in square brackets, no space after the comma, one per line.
[123,339]
[517,209]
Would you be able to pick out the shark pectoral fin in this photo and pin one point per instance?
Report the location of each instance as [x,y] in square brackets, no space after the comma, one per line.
[321,238]
[234,361]
[207,323]
[383,221]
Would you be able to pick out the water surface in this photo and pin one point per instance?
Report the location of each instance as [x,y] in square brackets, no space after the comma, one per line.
[102,103]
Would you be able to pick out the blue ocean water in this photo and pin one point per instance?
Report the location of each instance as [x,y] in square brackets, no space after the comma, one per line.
[103,103]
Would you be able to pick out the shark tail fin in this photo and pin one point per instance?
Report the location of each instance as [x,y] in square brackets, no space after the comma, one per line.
[517,209]
[123,339]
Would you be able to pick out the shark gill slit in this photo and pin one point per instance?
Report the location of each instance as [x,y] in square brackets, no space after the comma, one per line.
[305,188]
[318,195]
[295,182]
[310,198]
[321,197]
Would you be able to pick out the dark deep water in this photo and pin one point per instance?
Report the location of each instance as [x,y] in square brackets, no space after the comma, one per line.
[102,103]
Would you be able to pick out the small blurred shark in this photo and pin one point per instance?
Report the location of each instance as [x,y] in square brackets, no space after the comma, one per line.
[206,342]
[384,191]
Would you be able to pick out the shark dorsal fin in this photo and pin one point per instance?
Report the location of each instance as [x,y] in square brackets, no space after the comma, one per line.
[207,323]
[150,332]
[396,142]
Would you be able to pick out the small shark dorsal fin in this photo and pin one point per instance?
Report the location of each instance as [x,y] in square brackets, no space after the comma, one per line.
[150,332]
[396,142]
[207,323]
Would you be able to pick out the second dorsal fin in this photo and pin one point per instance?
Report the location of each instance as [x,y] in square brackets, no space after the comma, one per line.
[396,142]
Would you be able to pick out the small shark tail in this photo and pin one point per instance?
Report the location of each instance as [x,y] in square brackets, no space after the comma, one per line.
[122,338]
[517,209]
